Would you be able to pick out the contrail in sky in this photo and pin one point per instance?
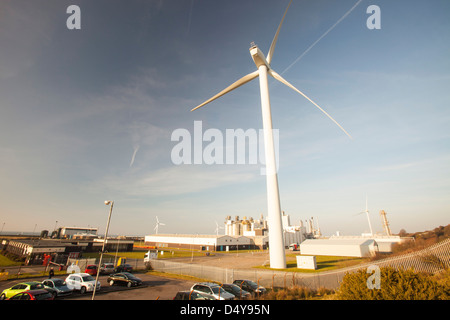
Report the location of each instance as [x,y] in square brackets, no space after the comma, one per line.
[190,17]
[326,32]
[134,155]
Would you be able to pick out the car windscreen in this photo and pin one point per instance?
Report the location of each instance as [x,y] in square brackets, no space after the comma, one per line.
[36,286]
[217,289]
[59,283]
[252,284]
[88,278]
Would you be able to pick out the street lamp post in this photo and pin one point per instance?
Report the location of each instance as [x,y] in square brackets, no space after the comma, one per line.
[103,247]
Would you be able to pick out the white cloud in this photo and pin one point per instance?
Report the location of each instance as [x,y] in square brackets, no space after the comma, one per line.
[175,180]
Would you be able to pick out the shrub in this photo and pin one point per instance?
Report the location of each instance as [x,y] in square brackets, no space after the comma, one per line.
[295,293]
[395,285]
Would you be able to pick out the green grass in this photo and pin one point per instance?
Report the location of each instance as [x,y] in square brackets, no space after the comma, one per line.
[5,262]
[168,254]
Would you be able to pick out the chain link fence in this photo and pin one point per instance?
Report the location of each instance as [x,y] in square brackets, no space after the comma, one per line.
[432,259]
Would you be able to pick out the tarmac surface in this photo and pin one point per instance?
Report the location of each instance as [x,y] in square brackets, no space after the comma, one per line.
[244,260]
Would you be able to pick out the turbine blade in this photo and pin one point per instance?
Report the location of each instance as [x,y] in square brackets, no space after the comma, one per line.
[231,87]
[274,41]
[282,80]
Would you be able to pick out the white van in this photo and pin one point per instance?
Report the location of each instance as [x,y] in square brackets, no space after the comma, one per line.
[151,255]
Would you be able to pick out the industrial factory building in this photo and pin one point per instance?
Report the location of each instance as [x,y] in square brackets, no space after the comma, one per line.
[249,233]
[245,233]
[202,242]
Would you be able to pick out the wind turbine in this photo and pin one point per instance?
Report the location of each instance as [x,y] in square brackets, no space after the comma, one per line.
[217,228]
[157,225]
[276,240]
[368,218]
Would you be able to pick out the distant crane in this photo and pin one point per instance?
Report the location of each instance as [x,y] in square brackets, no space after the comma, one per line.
[385,223]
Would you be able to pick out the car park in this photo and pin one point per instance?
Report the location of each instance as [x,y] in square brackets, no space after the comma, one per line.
[107,268]
[24,286]
[124,278]
[212,290]
[190,295]
[91,269]
[237,291]
[38,294]
[59,285]
[250,286]
[83,282]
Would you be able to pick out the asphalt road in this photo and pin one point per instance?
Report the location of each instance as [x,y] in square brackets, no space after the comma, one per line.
[153,288]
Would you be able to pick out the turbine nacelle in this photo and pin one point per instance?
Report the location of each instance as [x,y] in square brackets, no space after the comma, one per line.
[258,57]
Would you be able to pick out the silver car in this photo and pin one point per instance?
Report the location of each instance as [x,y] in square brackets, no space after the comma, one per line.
[58,285]
[107,268]
[212,290]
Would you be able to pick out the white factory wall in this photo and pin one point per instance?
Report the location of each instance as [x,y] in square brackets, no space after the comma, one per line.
[343,248]
[385,243]
[199,240]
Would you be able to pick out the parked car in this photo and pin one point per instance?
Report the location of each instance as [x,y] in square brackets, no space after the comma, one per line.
[190,295]
[124,278]
[212,290]
[59,285]
[237,291]
[83,282]
[24,286]
[250,286]
[91,269]
[107,268]
[124,268]
[38,294]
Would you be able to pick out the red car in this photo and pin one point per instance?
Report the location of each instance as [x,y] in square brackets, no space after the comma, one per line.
[91,269]
[38,294]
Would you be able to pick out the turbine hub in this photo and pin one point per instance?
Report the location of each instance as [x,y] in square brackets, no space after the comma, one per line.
[258,57]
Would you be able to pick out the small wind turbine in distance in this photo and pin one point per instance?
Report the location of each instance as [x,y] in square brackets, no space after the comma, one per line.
[157,225]
[217,228]
[276,241]
[368,218]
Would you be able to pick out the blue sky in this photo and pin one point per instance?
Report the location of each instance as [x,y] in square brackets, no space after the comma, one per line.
[87,115]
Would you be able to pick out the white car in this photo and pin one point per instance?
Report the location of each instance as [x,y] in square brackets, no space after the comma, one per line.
[212,290]
[83,282]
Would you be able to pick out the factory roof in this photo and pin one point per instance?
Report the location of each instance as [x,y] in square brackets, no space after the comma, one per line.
[339,242]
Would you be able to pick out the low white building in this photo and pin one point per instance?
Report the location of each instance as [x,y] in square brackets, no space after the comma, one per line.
[200,242]
[339,247]
[70,232]
[385,243]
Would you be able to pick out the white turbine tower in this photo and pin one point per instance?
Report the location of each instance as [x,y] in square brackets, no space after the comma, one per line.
[157,225]
[276,241]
